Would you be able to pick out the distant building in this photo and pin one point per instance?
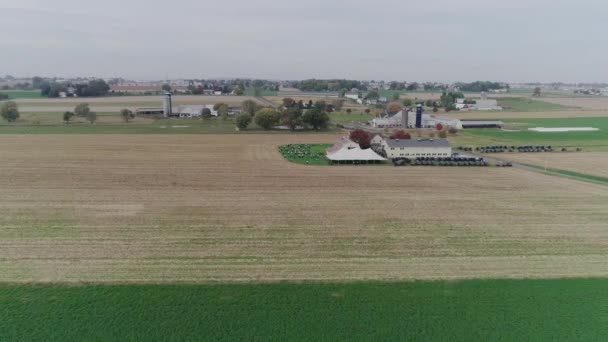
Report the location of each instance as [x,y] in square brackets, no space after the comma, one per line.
[192,111]
[482,124]
[486,105]
[377,140]
[149,111]
[409,121]
[412,148]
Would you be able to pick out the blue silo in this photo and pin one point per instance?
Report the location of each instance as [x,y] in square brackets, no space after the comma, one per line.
[419,116]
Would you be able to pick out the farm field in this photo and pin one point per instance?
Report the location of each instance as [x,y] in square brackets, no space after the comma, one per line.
[520,104]
[116,103]
[591,163]
[229,208]
[112,123]
[594,141]
[22,94]
[488,310]
[583,102]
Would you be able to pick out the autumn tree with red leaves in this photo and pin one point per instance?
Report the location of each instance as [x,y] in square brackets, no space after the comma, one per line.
[401,135]
[361,137]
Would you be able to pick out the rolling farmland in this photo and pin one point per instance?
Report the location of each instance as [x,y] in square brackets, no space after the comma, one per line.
[591,163]
[229,208]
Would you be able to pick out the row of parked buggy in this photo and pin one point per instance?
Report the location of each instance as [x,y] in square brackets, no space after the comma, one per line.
[441,161]
[521,149]
[505,148]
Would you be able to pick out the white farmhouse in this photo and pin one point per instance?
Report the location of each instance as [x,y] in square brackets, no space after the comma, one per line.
[412,148]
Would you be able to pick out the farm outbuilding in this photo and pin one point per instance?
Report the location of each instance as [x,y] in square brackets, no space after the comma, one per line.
[348,151]
[482,124]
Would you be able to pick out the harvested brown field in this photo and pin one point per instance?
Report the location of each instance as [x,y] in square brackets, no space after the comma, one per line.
[591,163]
[156,208]
[116,103]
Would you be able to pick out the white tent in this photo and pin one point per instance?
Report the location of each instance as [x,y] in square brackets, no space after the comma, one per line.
[347,150]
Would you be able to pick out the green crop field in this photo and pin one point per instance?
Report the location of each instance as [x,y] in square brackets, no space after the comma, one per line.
[520,104]
[263,92]
[112,123]
[22,94]
[486,310]
[594,140]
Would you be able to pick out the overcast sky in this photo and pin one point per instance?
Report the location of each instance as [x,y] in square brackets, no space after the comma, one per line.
[435,40]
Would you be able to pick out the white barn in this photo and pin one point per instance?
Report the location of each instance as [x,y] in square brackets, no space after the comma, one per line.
[192,111]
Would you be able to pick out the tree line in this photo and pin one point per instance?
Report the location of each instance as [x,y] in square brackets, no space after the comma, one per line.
[291,114]
[93,88]
[481,86]
[328,85]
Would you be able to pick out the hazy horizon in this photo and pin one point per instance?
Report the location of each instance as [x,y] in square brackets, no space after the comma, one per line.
[515,41]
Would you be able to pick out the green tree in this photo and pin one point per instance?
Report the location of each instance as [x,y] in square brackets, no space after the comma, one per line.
[395,97]
[10,111]
[206,113]
[96,87]
[315,117]
[372,95]
[249,107]
[407,102]
[127,115]
[243,120]
[37,82]
[292,118]
[67,116]
[321,105]
[238,91]
[223,111]
[257,92]
[82,110]
[412,86]
[537,92]
[91,117]
[267,118]
[166,87]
